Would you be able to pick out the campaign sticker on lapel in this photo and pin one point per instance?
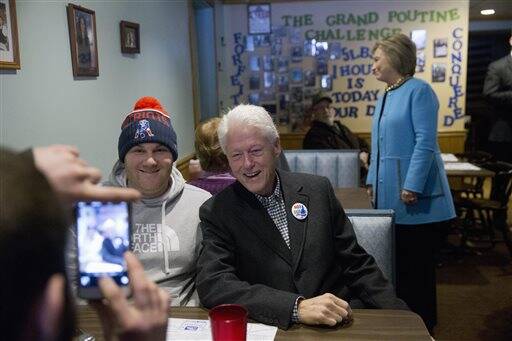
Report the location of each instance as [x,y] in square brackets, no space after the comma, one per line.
[299,211]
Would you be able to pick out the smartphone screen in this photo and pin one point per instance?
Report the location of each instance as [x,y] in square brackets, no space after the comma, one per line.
[103,236]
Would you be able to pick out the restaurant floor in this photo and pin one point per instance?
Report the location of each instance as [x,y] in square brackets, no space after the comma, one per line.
[474,295]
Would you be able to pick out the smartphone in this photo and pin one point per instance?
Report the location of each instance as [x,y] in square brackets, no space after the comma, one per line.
[102,238]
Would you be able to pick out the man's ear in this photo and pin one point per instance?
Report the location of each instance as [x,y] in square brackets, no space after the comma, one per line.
[277,148]
[51,306]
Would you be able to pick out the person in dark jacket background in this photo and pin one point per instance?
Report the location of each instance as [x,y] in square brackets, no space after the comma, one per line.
[326,133]
[498,92]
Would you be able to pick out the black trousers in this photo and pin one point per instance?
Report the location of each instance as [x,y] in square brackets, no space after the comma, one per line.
[416,274]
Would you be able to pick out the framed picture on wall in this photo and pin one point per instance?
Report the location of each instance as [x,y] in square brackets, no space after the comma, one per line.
[130,37]
[438,72]
[440,47]
[83,41]
[258,18]
[9,51]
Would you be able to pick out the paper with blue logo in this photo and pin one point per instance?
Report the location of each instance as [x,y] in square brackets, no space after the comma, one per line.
[189,329]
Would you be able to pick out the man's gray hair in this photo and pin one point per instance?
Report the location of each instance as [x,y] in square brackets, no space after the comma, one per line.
[245,115]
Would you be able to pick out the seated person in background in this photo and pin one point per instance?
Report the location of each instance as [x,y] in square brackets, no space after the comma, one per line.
[216,174]
[36,304]
[212,173]
[279,243]
[326,133]
[165,230]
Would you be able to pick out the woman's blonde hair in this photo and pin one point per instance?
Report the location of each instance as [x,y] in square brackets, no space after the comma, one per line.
[208,150]
[400,51]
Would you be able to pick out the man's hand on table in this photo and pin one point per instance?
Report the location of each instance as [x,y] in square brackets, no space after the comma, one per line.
[325,309]
[145,319]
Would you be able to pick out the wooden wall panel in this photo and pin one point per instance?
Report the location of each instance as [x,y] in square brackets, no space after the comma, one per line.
[182,165]
[449,142]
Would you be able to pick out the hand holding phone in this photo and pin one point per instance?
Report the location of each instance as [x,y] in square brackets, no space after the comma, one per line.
[103,236]
[145,319]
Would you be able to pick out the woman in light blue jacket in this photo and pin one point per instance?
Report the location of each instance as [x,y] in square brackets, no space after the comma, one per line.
[406,171]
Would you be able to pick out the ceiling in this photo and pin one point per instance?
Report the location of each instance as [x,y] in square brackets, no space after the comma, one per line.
[503,9]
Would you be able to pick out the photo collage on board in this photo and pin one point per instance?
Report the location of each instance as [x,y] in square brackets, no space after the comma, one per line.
[287,71]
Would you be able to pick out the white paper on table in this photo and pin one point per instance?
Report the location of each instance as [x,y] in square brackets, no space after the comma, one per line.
[461,166]
[449,157]
[188,329]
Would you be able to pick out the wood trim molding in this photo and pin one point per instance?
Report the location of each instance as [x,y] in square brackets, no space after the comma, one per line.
[182,165]
[193,63]
[449,141]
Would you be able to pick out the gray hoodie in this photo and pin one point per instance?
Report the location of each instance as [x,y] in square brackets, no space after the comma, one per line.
[166,236]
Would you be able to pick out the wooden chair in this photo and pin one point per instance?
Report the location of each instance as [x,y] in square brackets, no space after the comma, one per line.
[482,216]
[471,187]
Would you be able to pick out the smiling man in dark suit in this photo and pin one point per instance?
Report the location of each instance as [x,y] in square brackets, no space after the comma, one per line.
[279,243]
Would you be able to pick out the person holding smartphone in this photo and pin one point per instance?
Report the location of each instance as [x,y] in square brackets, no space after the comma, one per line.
[33,230]
[165,232]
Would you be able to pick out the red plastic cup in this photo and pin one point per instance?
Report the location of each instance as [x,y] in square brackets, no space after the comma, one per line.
[228,322]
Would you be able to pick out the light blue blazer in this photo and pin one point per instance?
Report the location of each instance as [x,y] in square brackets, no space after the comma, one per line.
[405,142]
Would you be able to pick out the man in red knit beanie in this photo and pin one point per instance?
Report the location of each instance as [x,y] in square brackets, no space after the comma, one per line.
[165,223]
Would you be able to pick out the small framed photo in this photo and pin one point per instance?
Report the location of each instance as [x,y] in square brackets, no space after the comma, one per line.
[335,50]
[268,63]
[282,64]
[9,47]
[440,48]
[309,48]
[309,78]
[296,53]
[309,94]
[254,82]
[130,37]
[420,61]
[267,95]
[321,66]
[438,72]
[254,63]
[249,43]
[322,49]
[295,36]
[261,40]
[326,83]
[254,98]
[297,94]
[296,75]
[282,83]
[259,18]
[279,30]
[83,41]
[419,37]
[284,99]
[269,79]
[276,49]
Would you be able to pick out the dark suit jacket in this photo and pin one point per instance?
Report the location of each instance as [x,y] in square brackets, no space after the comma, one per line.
[246,261]
[324,136]
[498,86]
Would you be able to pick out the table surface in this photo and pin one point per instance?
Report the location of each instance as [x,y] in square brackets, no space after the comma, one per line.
[482,172]
[368,324]
[353,197]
